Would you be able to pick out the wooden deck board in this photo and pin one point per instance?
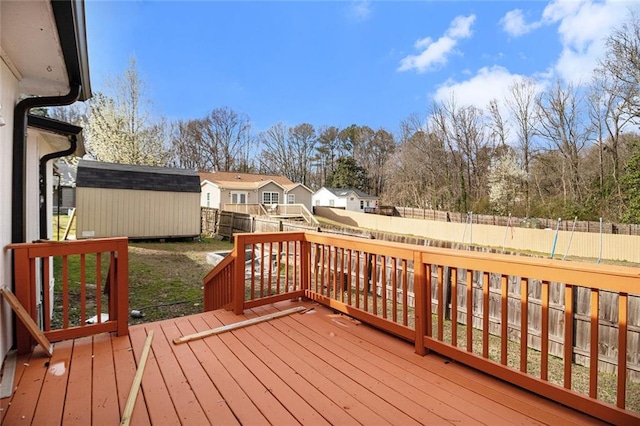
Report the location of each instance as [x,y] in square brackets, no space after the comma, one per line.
[77,409]
[315,368]
[387,401]
[325,407]
[125,365]
[55,385]
[22,405]
[156,395]
[243,408]
[264,400]
[212,403]
[427,390]
[105,408]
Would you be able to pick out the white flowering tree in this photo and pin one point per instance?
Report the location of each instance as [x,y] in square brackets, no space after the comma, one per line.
[506,182]
[119,127]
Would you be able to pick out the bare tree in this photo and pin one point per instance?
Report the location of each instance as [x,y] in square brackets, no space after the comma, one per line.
[288,151]
[559,117]
[221,141]
[521,103]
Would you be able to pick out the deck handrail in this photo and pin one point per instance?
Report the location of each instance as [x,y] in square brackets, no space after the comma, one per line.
[405,290]
[33,265]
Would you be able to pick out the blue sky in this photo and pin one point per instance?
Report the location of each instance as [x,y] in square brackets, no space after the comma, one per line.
[342,62]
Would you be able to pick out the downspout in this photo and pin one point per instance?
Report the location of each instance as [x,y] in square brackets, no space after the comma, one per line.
[19,187]
[73,144]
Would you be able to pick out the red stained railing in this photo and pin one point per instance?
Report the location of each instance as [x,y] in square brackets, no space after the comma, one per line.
[492,312]
[90,297]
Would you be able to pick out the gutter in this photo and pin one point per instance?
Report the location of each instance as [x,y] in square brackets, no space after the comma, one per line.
[72,133]
[19,189]
[70,21]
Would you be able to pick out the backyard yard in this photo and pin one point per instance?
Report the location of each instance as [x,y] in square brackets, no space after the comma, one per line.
[165,278]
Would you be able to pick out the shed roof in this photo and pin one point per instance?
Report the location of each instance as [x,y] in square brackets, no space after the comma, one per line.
[97,174]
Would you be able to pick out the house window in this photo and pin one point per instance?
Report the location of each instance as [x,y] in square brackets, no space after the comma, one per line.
[361,205]
[291,198]
[238,198]
[332,203]
[270,197]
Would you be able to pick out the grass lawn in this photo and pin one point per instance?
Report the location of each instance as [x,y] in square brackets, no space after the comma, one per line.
[165,280]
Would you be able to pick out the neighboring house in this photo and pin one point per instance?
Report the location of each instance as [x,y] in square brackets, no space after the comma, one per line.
[115,200]
[64,187]
[345,198]
[220,188]
[44,63]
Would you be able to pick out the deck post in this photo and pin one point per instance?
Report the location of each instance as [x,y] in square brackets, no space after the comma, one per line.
[238,284]
[305,265]
[420,303]
[122,287]
[22,267]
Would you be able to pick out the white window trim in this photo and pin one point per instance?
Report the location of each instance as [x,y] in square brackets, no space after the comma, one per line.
[271,198]
[238,196]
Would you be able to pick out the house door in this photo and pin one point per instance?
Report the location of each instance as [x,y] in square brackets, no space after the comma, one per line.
[238,198]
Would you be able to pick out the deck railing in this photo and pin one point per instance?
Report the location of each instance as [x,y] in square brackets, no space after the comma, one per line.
[91,293]
[488,311]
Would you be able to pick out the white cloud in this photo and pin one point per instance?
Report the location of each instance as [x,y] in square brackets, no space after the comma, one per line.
[437,52]
[486,84]
[359,10]
[583,26]
[513,23]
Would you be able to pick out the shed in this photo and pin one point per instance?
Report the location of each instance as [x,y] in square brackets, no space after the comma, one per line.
[136,201]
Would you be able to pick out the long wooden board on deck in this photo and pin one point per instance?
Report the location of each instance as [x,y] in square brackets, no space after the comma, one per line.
[237,325]
[28,322]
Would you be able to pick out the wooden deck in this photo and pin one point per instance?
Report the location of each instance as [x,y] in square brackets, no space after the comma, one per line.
[312,368]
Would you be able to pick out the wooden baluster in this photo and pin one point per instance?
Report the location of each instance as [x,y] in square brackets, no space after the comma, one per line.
[83,290]
[394,284]
[47,295]
[405,296]
[349,283]
[454,306]
[485,315]
[440,297]
[504,318]
[544,345]
[524,323]
[568,334]
[357,287]
[469,310]
[593,344]
[383,285]
[622,350]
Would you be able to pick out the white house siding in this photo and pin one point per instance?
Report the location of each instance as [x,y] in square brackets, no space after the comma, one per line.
[8,97]
[213,192]
[323,197]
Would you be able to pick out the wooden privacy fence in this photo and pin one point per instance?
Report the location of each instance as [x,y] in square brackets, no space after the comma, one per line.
[92,296]
[372,281]
[538,223]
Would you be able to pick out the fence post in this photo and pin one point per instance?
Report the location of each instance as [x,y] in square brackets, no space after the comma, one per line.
[238,285]
[419,285]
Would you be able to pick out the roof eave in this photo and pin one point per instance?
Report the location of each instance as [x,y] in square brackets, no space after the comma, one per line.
[70,22]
